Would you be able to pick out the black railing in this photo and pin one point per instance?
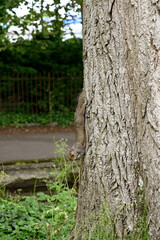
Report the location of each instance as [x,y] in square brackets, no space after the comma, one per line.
[39,94]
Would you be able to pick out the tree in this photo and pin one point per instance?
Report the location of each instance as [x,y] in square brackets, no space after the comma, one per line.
[5,18]
[41,18]
[120,170]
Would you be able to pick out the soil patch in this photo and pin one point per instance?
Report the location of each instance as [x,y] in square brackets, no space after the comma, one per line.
[33,130]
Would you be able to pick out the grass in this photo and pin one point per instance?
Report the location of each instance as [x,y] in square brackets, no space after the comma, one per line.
[62,118]
[104,228]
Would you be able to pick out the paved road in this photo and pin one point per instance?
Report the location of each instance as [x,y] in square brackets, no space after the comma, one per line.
[31,147]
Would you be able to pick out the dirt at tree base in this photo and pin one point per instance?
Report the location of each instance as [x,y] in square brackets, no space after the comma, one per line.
[33,130]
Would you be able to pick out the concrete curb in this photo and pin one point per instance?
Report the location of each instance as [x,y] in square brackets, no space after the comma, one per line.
[23,176]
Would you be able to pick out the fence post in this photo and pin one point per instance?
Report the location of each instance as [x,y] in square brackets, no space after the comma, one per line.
[49,97]
[18,83]
[1,102]
[14,98]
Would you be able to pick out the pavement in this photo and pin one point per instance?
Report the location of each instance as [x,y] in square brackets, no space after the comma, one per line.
[31,147]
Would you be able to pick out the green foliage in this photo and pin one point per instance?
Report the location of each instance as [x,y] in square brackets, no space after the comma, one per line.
[36,15]
[6,11]
[42,55]
[45,20]
[41,216]
[45,51]
[62,118]
[38,217]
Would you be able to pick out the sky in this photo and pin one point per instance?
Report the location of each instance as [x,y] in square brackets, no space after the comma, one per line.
[76,26]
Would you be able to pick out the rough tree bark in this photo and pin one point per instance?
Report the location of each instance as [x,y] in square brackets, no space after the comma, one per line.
[122,121]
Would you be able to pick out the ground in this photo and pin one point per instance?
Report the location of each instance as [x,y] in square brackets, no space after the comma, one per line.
[33,130]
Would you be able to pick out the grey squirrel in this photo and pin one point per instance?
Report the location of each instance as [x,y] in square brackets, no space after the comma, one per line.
[78,149]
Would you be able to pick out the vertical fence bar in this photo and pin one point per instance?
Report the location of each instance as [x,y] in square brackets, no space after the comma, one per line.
[58,92]
[49,97]
[0,94]
[64,86]
[53,85]
[22,81]
[76,89]
[14,93]
[18,93]
[67,92]
[1,98]
[40,79]
[4,95]
[9,91]
[36,92]
[71,90]
[31,93]
[44,85]
[26,80]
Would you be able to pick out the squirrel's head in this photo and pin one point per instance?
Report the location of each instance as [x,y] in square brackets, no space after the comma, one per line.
[76,151]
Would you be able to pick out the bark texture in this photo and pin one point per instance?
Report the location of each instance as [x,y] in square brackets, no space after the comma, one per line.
[122,121]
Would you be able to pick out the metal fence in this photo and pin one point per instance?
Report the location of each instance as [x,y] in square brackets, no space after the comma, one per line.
[41,93]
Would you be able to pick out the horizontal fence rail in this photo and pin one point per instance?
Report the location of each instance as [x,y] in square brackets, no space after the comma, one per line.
[39,94]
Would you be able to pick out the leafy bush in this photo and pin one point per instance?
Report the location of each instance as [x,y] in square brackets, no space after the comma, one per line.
[56,55]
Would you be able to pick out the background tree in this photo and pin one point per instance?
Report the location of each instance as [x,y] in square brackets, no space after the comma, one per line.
[40,17]
[44,49]
[5,19]
[122,120]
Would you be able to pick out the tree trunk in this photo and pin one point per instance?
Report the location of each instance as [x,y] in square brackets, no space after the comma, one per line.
[122,120]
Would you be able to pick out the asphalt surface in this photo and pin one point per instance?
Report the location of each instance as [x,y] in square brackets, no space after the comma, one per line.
[31,147]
